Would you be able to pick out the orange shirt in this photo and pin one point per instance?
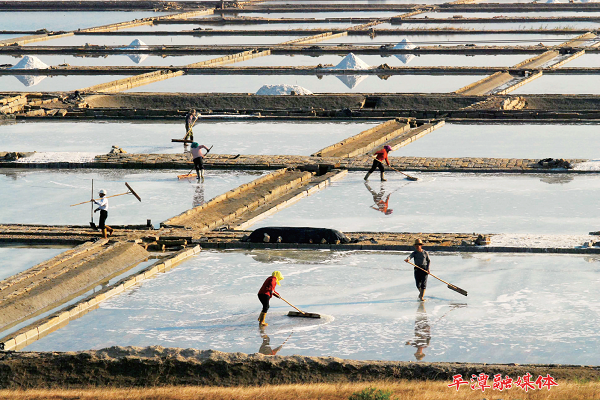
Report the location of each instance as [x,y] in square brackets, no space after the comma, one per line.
[382,155]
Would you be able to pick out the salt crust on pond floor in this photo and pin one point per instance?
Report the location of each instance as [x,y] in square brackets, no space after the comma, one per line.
[48,157]
[523,240]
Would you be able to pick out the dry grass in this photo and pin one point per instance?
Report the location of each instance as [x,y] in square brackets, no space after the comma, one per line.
[403,390]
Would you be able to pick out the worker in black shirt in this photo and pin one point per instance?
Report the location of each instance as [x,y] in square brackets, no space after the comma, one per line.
[421,258]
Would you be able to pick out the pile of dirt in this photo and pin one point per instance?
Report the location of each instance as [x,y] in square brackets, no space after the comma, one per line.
[159,366]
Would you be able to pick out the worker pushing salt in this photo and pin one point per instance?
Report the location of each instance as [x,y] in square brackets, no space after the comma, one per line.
[266,292]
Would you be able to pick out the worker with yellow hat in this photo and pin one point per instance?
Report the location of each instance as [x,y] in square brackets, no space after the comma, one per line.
[422,260]
[266,292]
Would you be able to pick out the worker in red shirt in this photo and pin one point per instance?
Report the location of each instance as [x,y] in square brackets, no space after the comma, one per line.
[266,292]
[380,157]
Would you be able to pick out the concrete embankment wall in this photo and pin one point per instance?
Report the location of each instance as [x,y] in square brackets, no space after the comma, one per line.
[366,140]
[54,282]
[12,104]
[39,329]
[245,198]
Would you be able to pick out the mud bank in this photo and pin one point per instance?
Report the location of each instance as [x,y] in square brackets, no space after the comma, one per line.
[158,366]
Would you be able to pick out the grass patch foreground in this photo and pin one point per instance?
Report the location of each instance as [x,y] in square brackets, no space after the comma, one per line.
[402,390]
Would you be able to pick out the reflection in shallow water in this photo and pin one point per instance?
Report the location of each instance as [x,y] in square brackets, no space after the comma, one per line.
[422,332]
[266,348]
[30,80]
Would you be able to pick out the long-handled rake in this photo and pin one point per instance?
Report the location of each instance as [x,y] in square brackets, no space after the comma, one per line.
[131,191]
[189,174]
[450,286]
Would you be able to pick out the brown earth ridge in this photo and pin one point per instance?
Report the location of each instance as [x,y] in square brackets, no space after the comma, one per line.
[159,366]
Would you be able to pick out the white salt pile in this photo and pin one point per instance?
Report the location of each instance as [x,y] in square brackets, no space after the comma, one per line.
[137,44]
[30,62]
[552,1]
[351,62]
[544,241]
[275,90]
[405,44]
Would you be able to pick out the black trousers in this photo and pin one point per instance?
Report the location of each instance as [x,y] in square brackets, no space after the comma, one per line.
[199,164]
[103,216]
[421,279]
[376,164]
[264,299]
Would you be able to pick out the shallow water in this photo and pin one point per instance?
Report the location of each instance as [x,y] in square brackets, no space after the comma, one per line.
[586,60]
[562,84]
[506,141]
[507,13]
[43,83]
[523,309]
[149,39]
[249,27]
[115,60]
[244,137]
[502,39]
[43,197]
[450,202]
[67,20]
[17,259]
[328,83]
[497,25]
[400,60]
[319,14]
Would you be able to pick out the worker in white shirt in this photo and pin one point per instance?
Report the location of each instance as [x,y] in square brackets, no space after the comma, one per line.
[198,158]
[103,208]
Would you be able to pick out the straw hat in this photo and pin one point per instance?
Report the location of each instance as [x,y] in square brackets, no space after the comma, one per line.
[418,242]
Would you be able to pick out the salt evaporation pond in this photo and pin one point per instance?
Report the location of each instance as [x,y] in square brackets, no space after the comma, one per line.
[509,13]
[328,83]
[242,136]
[506,141]
[43,197]
[500,39]
[67,21]
[115,60]
[149,39]
[522,25]
[395,60]
[249,27]
[451,202]
[17,259]
[562,84]
[43,83]
[586,60]
[314,14]
[520,308]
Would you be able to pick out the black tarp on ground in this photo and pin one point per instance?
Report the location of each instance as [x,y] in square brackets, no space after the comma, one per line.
[297,235]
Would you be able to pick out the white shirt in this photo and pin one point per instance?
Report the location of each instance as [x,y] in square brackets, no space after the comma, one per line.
[102,204]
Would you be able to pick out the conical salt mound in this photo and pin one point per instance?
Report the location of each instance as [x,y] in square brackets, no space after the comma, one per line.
[351,62]
[405,44]
[29,62]
[137,43]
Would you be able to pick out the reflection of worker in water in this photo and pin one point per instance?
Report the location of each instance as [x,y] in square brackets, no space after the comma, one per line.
[103,208]
[265,347]
[266,292]
[380,157]
[422,332]
[380,204]
[190,121]
[421,259]
[198,158]
[198,195]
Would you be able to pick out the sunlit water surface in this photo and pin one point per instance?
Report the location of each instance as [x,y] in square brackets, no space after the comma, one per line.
[522,309]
